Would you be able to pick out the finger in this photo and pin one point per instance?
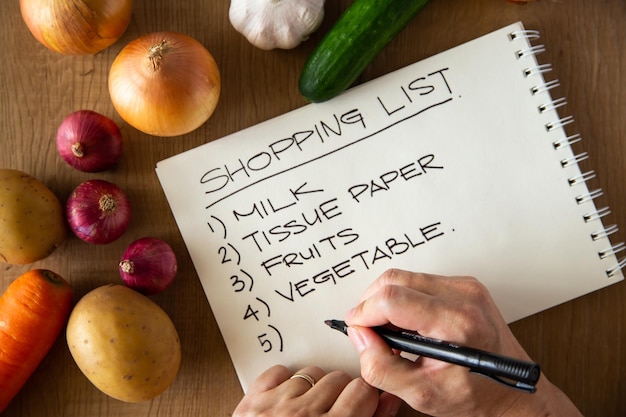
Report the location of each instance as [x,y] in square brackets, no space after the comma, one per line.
[399,305]
[358,399]
[383,369]
[270,379]
[388,405]
[296,386]
[324,394]
[431,284]
[426,283]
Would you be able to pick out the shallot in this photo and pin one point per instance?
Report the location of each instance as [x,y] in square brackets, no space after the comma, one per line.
[98,211]
[89,141]
[148,265]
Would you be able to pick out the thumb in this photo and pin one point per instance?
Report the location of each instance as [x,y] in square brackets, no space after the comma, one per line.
[381,366]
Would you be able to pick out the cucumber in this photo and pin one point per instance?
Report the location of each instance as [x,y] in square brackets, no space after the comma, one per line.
[362,31]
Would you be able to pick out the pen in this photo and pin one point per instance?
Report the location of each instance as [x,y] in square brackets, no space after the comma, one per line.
[511,372]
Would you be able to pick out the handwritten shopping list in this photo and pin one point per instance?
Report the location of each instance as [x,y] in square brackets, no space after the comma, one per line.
[290,238]
[439,167]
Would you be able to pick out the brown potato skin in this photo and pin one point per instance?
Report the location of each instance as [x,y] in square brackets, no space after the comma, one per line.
[124,343]
[32,222]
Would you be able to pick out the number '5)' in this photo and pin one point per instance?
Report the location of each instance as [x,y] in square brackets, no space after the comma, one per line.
[265,340]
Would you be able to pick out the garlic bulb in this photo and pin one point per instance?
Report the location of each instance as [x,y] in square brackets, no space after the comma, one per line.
[269,24]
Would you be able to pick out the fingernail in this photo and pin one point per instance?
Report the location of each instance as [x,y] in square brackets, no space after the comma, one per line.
[357,339]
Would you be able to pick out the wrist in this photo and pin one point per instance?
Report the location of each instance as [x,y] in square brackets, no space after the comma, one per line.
[547,401]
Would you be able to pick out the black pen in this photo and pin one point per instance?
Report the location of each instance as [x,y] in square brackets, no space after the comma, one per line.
[511,372]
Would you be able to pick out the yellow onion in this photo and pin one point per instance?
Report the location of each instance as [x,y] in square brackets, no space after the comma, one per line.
[165,84]
[74,27]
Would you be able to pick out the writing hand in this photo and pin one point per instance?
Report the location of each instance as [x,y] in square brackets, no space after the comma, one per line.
[457,309]
[277,393]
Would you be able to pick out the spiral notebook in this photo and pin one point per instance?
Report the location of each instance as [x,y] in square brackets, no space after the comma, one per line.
[457,164]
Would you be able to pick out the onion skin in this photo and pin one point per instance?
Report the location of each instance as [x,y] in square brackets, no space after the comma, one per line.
[98,211]
[165,84]
[148,266]
[89,141]
[75,27]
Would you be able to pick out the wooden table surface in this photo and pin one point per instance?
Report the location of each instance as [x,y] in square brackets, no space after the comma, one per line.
[581,344]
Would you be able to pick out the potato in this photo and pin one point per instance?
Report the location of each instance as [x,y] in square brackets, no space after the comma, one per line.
[32,223]
[124,343]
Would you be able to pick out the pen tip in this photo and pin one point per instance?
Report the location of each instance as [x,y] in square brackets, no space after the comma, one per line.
[337,325]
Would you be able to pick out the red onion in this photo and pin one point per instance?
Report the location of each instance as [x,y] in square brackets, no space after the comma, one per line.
[148,265]
[98,211]
[89,141]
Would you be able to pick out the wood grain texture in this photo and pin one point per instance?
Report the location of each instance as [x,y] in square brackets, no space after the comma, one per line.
[581,344]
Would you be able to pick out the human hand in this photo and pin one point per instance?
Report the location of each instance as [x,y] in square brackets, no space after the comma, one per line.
[276,393]
[456,309]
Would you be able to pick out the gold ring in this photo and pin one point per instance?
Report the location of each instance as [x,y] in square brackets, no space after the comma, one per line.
[307,378]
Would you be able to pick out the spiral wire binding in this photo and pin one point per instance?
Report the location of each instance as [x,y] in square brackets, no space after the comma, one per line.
[583,198]
[568,141]
[554,104]
[542,88]
[581,178]
[533,50]
[539,69]
[524,34]
[606,232]
[559,123]
[596,214]
[573,160]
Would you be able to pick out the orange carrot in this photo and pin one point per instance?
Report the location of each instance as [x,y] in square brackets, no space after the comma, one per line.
[33,311]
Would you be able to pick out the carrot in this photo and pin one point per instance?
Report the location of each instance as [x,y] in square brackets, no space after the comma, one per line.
[33,311]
